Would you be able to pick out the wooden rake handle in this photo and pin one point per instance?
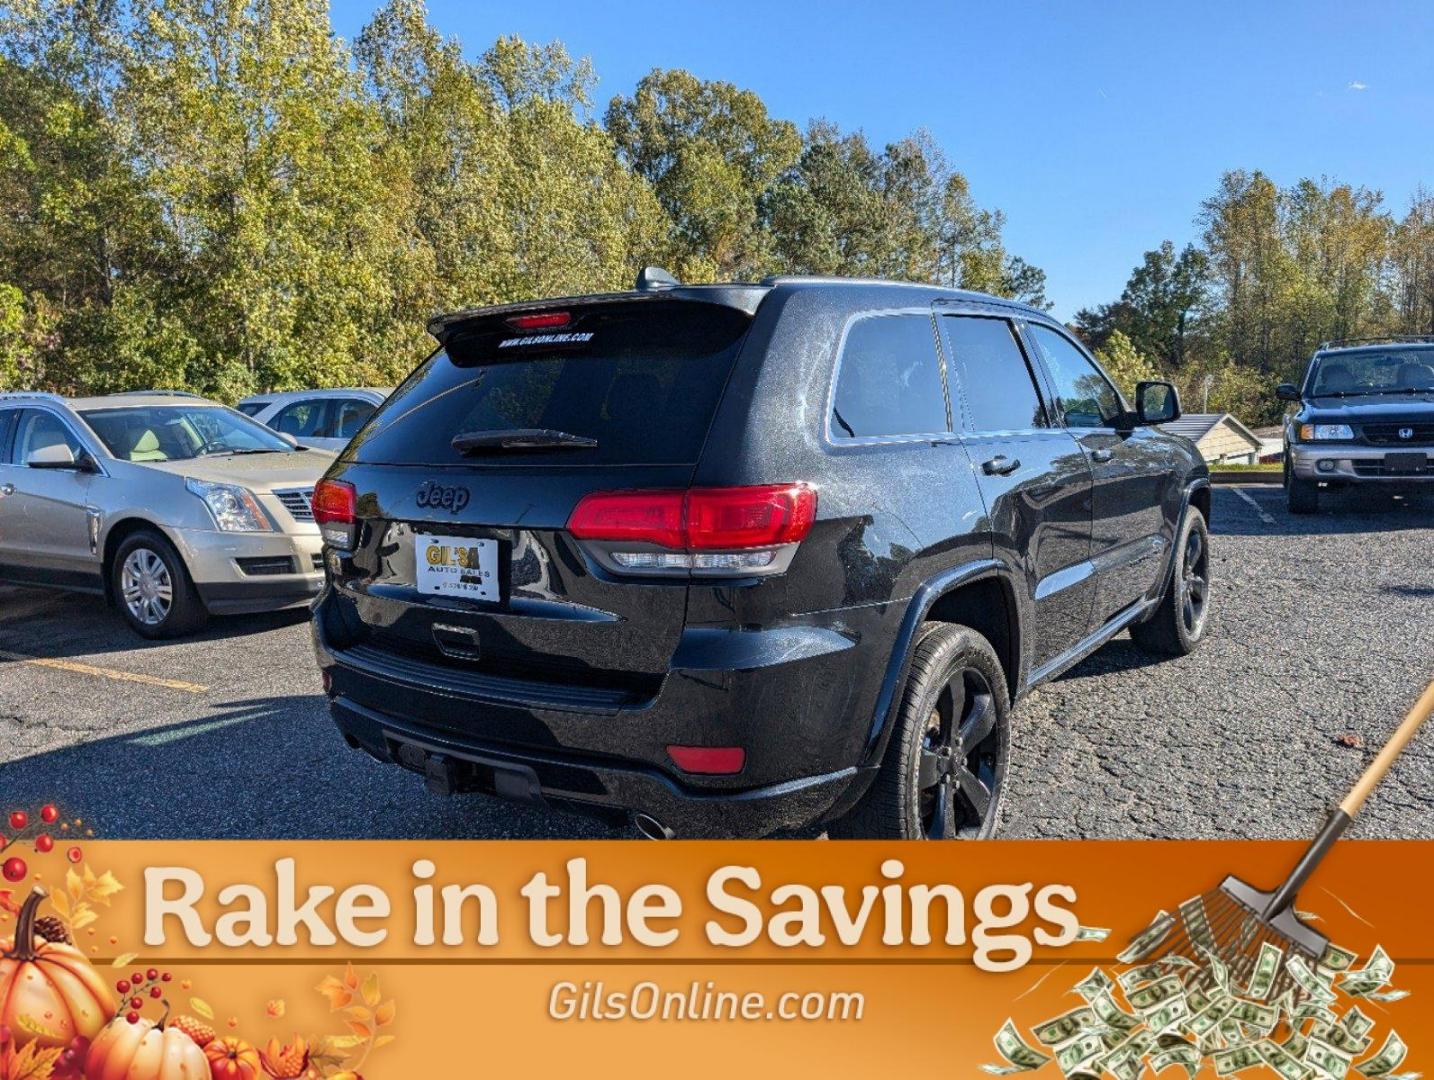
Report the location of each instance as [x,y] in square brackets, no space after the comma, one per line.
[1340,818]
[1385,758]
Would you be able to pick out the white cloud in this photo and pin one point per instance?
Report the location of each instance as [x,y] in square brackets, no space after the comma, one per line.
[1357,86]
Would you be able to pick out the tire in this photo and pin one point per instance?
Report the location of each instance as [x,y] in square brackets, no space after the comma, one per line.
[930,785]
[152,590]
[1301,496]
[1178,624]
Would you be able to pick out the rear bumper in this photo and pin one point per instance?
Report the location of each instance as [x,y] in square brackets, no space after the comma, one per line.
[608,789]
[1357,464]
[788,696]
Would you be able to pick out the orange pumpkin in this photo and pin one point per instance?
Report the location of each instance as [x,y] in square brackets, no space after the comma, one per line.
[49,994]
[232,1059]
[144,1051]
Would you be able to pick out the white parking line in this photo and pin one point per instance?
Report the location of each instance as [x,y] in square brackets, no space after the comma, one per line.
[1256,506]
[77,668]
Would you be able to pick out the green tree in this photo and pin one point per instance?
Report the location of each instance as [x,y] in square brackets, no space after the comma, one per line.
[1124,363]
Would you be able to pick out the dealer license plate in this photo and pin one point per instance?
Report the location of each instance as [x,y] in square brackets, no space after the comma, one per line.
[456,566]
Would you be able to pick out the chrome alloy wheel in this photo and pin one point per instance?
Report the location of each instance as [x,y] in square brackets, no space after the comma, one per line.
[146,587]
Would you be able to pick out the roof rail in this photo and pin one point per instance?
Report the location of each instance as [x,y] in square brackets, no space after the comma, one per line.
[1381,339]
[42,395]
[156,393]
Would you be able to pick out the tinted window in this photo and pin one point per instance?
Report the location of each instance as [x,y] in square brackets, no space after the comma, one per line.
[302,419]
[889,379]
[993,375]
[252,408]
[1087,399]
[7,421]
[643,379]
[348,416]
[39,430]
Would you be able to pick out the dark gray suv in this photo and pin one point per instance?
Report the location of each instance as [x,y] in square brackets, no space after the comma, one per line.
[727,559]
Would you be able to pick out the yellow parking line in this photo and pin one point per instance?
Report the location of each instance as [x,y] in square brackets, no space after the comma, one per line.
[103,672]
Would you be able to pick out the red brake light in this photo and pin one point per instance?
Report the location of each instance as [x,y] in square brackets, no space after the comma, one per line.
[545,320]
[705,519]
[711,760]
[335,502]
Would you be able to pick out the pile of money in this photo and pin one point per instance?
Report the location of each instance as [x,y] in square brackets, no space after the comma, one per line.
[1192,1011]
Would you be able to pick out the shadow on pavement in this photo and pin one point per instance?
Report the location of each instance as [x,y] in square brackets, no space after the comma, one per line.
[1340,513]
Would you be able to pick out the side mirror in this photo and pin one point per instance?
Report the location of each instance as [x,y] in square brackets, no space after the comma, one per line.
[1156,402]
[288,438]
[1287,392]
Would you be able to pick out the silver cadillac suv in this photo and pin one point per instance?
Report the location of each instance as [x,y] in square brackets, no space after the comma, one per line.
[173,507]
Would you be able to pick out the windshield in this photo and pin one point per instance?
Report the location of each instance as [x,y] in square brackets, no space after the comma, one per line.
[623,384]
[180,432]
[1389,371]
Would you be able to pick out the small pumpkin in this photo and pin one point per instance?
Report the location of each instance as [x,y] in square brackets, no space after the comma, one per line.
[231,1058]
[49,993]
[145,1050]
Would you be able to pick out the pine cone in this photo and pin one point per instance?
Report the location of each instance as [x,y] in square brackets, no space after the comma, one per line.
[52,929]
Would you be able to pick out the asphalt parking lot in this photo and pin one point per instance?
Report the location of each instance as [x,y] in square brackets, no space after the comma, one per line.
[1322,636]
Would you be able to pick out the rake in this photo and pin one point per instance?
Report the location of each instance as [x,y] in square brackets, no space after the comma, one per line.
[1235,920]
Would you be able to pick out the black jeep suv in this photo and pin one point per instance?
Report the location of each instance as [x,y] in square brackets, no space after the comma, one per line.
[1365,416]
[728,559]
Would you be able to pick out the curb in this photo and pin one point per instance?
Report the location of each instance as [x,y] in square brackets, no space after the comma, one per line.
[1231,476]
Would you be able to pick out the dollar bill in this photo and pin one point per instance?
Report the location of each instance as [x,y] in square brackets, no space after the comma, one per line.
[1208,1019]
[1078,1053]
[1355,1022]
[1064,1028]
[1094,984]
[1019,1056]
[1112,1015]
[1336,959]
[1092,933]
[1281,1060]
[1296,1043]
[1267,966]
[1375,974]
[1340,1038]
[1197,999]
[1149,939]
[1151,996]
[1259,1016]
[1217,969]
[1236,1058]
[1142,974]
[1308,981]
[1329,1060]
[1197,923]
[1387,995]
[1185,1055]
[1391,1055]
[1168,1015]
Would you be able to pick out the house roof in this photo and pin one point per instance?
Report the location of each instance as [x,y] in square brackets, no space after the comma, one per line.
[1195,426]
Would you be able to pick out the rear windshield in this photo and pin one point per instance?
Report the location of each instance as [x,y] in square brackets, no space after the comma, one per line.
[642,379]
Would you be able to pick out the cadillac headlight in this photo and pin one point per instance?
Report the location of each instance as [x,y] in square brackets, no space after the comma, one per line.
[233,508]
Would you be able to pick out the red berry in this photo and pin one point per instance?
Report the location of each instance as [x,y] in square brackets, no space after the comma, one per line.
[19,819]
[152,974]
[74,854]
[68,1057]
[44,842]
[137,978]
[48,813]
[132,1017]
[166,977]
[136,1003]
[122,986]
[155,991]
[14,869]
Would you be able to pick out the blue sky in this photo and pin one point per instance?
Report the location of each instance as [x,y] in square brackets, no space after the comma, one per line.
[1097,128]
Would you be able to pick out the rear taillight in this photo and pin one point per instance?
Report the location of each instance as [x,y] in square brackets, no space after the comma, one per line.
[335,512]
[710,531]
[708,760]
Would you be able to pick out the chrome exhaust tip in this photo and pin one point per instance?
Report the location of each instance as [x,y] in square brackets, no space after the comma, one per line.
[651,828]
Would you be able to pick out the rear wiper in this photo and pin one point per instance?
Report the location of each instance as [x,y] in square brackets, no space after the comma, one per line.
[521,439]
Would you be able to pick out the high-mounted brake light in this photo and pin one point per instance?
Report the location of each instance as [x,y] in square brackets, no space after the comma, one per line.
[544,320]
[706,530]
[335,506]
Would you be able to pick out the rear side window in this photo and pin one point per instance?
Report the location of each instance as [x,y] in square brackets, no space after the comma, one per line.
[992,373]
[40,430]
[302,419]
[1087,399]
[252,408]
[7,423]
[349,416]
[642,378]
[889,379]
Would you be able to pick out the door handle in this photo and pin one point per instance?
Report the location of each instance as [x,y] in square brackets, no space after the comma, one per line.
[1000,465]
[1100,457]
[7,489]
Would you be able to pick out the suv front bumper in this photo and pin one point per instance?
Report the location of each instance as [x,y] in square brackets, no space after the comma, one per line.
[1357,464]
[235,573]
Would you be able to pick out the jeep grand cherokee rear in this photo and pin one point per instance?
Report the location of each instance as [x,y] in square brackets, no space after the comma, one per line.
[729,559]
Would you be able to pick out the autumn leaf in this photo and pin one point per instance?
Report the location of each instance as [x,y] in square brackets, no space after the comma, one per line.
[7,902]
[202,1007]
[74,885]
[384,1014]
[383,1040]
[61,903]
[338,994]
[371,994]
[33,1063]
[123,960]
[351,979]
[359,1013]
[276,1008]
[84,915]
[363,1031]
